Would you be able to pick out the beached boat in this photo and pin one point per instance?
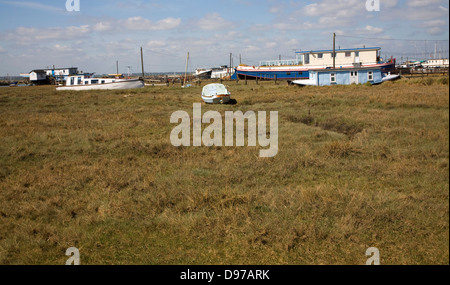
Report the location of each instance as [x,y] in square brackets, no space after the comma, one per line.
[216,94]
[391,77]
[82,83]
[299,68]
[203,73]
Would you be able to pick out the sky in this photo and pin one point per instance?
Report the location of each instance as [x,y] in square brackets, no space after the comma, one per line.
[40,34]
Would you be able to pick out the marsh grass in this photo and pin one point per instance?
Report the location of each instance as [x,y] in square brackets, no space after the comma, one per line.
[358,167]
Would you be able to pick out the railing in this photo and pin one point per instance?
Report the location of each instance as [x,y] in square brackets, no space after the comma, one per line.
[281,62]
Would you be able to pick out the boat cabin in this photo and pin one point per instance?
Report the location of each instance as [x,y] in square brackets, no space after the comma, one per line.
[345,76]
[343,57]
[82,80]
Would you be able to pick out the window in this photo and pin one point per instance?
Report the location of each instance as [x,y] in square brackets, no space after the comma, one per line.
[72,81]
[86,82]
[103,81]
[348,54]
[357,53]
[370,75]
[306,59]
[333,77]
[94,81]
[320,55]
[79,81]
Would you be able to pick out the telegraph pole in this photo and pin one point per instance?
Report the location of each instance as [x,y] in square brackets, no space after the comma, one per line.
[142,63]
[334,50]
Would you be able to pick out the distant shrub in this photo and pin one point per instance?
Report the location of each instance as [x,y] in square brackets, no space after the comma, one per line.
[341,126]
[427,81]
[338,149]
[307,120]
[443,81]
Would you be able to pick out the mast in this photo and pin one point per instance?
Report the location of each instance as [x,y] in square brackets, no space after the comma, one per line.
[185,72]
[334,50]
[142,63]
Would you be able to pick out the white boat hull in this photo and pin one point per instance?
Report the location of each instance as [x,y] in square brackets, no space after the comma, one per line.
[306,82]
[217,100]
[216,94]
[118,85]
[391,77]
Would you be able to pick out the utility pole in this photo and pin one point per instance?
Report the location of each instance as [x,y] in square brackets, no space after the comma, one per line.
[117,68]
[185,72]
[142,63]
[334,50]
[231,63]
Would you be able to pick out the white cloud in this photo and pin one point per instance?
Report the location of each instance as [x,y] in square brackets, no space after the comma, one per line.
[34,6]
[423,3]
[214,22]
[137,24]
[370,30]
[23,35]
[435,27]
[142,24]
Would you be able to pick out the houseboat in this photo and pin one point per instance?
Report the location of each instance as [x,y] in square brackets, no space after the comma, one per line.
[305,61]
[83,83]
[342,76]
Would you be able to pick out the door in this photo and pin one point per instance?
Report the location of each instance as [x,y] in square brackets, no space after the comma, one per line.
[354,77]
[357,59]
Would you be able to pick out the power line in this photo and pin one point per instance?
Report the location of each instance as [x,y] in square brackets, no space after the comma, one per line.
[384,39]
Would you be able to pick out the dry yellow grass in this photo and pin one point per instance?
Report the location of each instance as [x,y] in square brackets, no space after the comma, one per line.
[358,167]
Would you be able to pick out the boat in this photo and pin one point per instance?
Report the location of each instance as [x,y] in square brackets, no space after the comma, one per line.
[342,76]
[216,94]
[83,83]
[203,73]
[222,72]
[299,68]
[391,77]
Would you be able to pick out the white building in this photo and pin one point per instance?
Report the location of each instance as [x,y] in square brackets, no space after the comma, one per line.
[439,63]
[344,57]
[38,75]
[61,72]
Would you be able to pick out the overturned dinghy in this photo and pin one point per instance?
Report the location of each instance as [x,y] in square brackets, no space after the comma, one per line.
[391,77]
[216,94]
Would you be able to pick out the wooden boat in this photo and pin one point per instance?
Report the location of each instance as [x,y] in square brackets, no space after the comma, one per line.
[81,83]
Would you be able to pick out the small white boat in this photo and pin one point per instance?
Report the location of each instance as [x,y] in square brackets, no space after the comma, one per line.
[82,83]
[305,82]
[216,94]
[391,77]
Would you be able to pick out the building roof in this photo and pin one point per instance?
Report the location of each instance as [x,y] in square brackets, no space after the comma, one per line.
[38,71]
[346,69]
[339,50]
[61,68]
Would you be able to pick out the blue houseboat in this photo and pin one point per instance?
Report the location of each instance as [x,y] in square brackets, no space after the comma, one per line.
[342,76]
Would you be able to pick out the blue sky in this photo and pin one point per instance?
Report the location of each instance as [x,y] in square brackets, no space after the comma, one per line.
[37,34]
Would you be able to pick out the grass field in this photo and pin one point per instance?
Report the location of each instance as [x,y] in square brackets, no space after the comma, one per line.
[358,167]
